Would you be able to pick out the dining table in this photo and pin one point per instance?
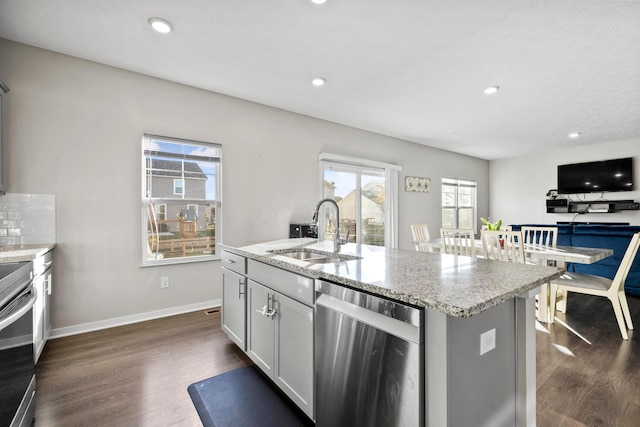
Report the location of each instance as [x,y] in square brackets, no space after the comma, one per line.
[560,255]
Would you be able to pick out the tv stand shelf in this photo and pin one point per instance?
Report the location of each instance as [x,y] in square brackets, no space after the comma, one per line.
[600,206]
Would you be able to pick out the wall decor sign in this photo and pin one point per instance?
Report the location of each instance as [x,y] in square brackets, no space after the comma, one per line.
[418,184]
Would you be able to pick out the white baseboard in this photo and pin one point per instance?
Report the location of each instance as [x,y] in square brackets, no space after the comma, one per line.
[134,318]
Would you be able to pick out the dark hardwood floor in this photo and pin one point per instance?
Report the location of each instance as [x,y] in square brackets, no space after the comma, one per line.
[137,375]
[587,375]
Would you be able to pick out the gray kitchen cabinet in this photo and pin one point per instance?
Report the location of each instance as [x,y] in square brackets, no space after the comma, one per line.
[43,283]
[294,352]
[261,327]
[280,333]
[234,289]
[233,306]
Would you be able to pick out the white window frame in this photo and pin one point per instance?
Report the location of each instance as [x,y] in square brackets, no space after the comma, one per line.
[391,175]
[180,199]
[178,184]
[457,183]
[161,208]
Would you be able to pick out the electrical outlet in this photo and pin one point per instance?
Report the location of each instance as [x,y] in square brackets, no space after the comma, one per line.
[487,341]
[164,282]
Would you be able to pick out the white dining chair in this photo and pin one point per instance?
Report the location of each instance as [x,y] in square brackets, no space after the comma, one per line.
[457,241]
[503,245]
[540,236]
[420,233]
[546,237]
[601,286]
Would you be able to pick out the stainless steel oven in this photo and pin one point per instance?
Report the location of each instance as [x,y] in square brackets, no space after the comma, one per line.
[17,366]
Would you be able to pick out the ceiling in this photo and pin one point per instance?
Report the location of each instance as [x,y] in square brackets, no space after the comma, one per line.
[411,69]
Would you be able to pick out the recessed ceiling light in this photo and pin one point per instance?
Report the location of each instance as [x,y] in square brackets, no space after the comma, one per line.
[160,25]
[491,90]
[318,81]
[318,1]
[574,134]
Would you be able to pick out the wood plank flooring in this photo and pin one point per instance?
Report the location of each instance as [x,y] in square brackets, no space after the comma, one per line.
[587,375]
[137,375]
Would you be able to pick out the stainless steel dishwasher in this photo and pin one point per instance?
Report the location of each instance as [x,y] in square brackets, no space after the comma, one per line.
[369,357]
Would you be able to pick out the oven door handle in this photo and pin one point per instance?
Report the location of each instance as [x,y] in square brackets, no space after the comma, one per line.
[18,307]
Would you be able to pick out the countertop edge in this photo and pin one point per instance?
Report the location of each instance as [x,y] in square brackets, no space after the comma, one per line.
[449,309]
[20,253]
[428,303]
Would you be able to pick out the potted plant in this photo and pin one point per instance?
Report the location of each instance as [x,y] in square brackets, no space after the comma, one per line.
[493,226]
[490,225]
[552,194]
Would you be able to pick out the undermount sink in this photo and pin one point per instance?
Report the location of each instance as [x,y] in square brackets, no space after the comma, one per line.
[314,257]
[301,255]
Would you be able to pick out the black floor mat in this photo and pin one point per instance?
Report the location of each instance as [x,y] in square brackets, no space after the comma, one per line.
[243,397]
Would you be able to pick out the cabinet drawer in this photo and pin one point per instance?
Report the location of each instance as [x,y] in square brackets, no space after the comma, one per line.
[291,284]
[234,262]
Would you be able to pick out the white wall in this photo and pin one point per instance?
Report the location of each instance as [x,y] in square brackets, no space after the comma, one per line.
[519,185]
[74,129]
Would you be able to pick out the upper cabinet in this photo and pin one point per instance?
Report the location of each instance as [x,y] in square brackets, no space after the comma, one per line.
[3,91]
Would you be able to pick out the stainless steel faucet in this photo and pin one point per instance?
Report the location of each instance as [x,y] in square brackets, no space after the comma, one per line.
[336,240]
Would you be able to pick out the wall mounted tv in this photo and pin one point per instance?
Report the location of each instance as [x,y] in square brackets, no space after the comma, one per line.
[596,177]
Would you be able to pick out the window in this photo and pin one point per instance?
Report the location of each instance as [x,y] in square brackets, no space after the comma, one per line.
[180,196]
[367,198]
[458,203]
[161,211]
[178,187]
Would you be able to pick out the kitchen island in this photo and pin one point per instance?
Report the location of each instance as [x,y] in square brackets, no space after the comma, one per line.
[462,299]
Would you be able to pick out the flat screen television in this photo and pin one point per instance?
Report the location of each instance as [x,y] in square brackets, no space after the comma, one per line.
[596,177]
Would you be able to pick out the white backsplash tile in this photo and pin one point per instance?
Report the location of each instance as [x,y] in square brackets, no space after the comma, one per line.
[27,219]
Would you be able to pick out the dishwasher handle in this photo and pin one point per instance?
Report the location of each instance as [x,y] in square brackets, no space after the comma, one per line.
[379,321]
[394,309]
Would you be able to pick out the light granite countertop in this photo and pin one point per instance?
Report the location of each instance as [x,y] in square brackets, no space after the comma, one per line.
[17,253]
[455,285]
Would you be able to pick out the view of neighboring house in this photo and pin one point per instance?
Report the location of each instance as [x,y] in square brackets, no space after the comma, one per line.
[372,203]
[173,179]
[177,189]
[372,213]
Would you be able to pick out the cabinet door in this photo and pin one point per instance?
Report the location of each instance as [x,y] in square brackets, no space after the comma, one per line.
[260,327]
[233,307]
[294,352]
[38,317]
[46,313]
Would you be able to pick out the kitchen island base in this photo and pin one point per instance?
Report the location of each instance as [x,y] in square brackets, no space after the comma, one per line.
[465,301]
[497,388]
